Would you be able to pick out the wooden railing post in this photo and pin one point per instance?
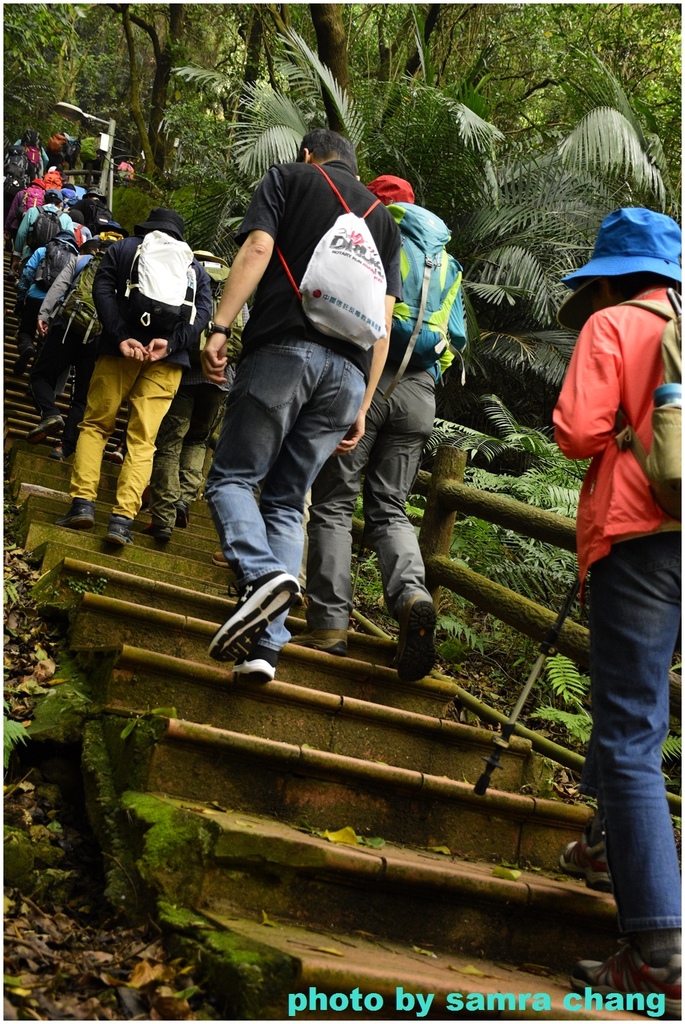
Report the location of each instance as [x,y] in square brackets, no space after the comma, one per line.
[435,535]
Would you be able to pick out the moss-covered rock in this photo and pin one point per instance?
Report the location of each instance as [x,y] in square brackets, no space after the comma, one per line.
[19,858]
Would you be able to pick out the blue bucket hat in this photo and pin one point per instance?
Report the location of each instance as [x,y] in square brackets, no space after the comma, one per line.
[630,241]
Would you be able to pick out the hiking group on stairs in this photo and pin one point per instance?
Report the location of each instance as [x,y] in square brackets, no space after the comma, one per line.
[355,313]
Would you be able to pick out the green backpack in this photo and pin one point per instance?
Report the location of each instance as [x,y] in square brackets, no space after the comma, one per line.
[662,465]
[78,309]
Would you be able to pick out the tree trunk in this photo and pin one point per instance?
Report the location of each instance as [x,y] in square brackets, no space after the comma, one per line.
[136,107]
[332,47]
[414,62]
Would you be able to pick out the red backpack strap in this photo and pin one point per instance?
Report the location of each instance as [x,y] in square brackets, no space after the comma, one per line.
[287,270]
[344,204]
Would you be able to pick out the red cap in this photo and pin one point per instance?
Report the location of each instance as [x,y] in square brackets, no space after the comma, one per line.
[390,189]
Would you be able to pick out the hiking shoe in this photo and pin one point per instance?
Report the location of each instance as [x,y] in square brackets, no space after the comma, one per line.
[119,530]
[182,514]
[626,972]
[50,425]
[159,531]
[57,453]
[588,862]
[260,664]
[332,641]
[81,515]
[416,645]
[219,558]
[116,456]
[260,602]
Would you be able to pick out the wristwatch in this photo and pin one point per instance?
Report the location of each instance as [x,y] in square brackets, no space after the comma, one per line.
[213,328]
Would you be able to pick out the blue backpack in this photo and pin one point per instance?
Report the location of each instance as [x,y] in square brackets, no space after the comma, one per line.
[428,325]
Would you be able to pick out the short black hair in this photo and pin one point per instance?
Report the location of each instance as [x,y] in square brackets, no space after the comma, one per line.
[327,145]
[627,285]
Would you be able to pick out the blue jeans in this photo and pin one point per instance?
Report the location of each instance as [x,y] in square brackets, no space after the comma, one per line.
[635,596]
[290,405]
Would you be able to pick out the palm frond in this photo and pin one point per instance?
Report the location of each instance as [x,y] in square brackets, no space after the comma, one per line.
[606,141]
[344,104]
[272,132]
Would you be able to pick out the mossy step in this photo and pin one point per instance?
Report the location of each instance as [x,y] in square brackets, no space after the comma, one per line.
[295,783]
[32,464]
[41,505]
[144,552]
[61,588]
[331,968]
[92,576]
[417,896]
[133,680]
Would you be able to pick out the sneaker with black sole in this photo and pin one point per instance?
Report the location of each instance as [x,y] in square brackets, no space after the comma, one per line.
[259,665]
[588,862]
[182,514]
[331,641]
[159,532]
[260,602]
[626,972]
[416,645]
[119,531]
[50,425]
[81,515]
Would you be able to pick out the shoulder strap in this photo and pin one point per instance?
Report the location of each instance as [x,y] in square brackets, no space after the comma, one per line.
[428,267]
[346,209]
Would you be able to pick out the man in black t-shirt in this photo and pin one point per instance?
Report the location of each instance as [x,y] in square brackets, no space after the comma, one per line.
[299,395]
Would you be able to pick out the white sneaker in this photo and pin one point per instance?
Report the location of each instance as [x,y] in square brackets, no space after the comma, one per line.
[258,605]
[260,664]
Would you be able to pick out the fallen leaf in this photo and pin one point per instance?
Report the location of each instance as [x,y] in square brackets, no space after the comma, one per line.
[511,874]
[44,670]
[266,921]
[328,949]
[469,969]
[441,849]
[375,842]
[345,835]
[424,952]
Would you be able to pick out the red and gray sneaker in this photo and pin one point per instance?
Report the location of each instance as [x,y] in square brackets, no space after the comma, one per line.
[588,862]
[626,972]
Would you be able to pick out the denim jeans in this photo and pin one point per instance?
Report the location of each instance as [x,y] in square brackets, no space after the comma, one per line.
[389,455]
[290,405]
[635,599]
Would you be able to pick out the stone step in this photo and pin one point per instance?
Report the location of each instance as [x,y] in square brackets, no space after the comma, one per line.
[93,575]
[294,782]
[65,580]
[135,680]
[44,506]
[145,552]
[416,896]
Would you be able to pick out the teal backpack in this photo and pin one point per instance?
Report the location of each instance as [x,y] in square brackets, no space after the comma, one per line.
[428,325]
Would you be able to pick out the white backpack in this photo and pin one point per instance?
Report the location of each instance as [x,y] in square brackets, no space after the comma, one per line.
[344,286]
[162,283]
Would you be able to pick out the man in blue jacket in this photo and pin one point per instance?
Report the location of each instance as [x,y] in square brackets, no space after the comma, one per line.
[139,362]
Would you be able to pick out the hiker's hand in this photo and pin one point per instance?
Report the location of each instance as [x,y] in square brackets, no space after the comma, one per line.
[213,358]
[42,328]
[132,349]
[353,435]
[15,267]
[157,349]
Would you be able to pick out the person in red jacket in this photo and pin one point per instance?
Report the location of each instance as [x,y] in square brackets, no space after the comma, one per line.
[632,548]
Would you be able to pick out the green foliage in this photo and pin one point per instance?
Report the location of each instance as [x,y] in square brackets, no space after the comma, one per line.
[13,733]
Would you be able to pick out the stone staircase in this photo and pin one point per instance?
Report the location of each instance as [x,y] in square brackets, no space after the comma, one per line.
[212,798]
[221,806]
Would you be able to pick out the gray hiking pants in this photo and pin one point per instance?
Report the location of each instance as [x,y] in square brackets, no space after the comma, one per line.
[389,455]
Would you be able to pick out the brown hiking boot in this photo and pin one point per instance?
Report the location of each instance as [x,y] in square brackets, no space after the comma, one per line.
[332,641]
[218,558]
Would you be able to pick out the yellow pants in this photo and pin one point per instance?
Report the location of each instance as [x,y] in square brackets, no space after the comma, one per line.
[149,389]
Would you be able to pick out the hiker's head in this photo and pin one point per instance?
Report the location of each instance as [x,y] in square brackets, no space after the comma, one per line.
[390,189]
[52,197]
[635,249]
[161,219]
[321,145]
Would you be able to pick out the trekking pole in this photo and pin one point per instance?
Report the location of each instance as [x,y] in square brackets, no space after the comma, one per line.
[501,741]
